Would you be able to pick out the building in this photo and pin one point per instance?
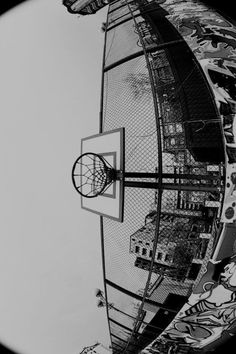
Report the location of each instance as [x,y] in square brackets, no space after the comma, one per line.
[178,237]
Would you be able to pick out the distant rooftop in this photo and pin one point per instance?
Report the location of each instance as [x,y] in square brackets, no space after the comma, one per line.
[85,7]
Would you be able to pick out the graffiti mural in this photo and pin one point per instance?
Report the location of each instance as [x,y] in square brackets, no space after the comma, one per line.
[207,33]
[221,75]
[210,312]
[212,39]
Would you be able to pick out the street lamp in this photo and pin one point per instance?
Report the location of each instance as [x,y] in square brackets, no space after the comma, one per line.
[90,349]
[102,302]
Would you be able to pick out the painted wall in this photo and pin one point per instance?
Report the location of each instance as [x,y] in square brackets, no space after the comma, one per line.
[210,313]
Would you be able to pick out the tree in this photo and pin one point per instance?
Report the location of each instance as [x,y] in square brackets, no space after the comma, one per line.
[140,84]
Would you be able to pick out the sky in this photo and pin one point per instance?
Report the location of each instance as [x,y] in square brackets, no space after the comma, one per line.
[50,252]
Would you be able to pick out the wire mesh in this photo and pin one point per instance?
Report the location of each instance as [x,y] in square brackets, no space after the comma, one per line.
[117,5]
[122,85]
[119,260]
[121,14]
[172,126]
[121,42]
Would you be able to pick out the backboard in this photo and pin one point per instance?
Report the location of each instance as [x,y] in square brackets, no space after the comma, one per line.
[110,146]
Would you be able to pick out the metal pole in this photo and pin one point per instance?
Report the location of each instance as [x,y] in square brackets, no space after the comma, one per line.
[171,186]
[169,175]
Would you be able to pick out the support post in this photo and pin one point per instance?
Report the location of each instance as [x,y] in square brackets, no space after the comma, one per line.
[172,186]
[170,175]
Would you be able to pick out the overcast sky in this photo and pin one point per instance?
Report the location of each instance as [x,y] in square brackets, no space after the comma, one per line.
[50,258]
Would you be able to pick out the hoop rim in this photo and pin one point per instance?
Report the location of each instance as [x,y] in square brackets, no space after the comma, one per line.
[101,158]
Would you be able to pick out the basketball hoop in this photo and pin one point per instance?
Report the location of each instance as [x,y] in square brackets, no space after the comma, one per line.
[103,175]
[92,175]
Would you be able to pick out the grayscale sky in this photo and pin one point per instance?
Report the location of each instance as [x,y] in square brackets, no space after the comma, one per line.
[50,258]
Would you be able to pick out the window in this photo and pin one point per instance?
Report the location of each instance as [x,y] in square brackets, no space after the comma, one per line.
[179,128]
[194,228]
[140,241]
[144,251]
[136,249]
[166,128]
[167,258]
[180,158]
[181,141]
[147,244]
[133,239]
[150,253]
[159,255]
[171,128]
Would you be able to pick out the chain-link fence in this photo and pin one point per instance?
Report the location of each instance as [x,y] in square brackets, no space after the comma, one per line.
[154,87]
